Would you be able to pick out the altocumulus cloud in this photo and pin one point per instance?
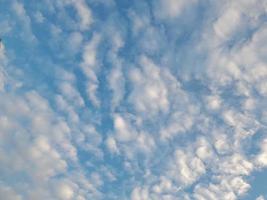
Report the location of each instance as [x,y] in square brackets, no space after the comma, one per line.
[140,100]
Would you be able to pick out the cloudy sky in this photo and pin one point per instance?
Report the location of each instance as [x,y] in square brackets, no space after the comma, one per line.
[133,100]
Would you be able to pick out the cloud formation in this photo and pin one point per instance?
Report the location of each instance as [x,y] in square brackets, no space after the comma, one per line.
[133,100]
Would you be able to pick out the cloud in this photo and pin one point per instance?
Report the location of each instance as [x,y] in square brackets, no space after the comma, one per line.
[2,69]
[90,66]
[22,16]
[123,130]
[260,198]
[65,192]
[116,77]
[42,150]
[154,92]
[229,189]
[139,194]
[227,23]
[172,8]
[68,89]
[129,100]
[112,145]
[261,158]
[39,17]
[84,13]
[36,158]
[116,83]
[185,168]
[213,102]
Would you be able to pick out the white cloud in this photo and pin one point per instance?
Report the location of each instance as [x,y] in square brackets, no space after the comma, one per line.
[65,107]
[236,165]
[140,194]
[145,143]
[90,67]
[165,185]
[91,91]
[229,189]
[261,158]
[65,192]
[213,102]
[116,77]
[204,150]
[185,168]
[243,124]
[84,13]
[150,93]
[227,23]
[173,8]
[222,144]
[39,18]
[170,137]
[27,33]
[123,130]
[116,82]
[71,93]
[179,122]
[260,198]
[139,22]
[239,185]
[128,139]
[41,149]
[90,52]
[112,145]
[88,139]
[43,160]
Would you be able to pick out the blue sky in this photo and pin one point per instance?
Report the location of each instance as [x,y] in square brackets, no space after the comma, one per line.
[138,100]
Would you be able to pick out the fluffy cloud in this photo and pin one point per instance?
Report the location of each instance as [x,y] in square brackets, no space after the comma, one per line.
[154,92]
[226,189]
[185,169]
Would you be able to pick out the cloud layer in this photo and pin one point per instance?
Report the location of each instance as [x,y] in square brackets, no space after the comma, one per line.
[139,100]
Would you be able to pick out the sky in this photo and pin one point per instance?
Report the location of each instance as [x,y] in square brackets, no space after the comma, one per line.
[133,100]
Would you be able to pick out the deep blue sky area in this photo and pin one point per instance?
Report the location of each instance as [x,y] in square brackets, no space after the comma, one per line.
[133,100]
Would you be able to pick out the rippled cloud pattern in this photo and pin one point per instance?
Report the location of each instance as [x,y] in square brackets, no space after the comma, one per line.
[133,100]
